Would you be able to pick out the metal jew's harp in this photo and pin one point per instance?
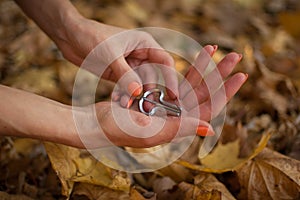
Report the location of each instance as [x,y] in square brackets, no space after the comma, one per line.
[159,105]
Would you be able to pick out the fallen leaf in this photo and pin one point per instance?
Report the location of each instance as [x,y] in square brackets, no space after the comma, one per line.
[33,46]
[86,84]
[73,165]
[290,22]
[225,157]
[165,188]
[194,192]
[139,193]
[6,196]
[268,84]
[42,81]
[210,182]
[96,192]
[270,175]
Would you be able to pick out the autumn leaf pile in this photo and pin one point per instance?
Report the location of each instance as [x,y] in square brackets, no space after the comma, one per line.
[257,156]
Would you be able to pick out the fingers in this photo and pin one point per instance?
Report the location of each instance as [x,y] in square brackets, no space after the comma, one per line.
[160,56]
[130,84]
[212,107]
[196,72]
[128,80]
[211,82]
[215,78]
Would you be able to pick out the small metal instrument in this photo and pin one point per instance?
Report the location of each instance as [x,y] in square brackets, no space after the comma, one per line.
[160,105]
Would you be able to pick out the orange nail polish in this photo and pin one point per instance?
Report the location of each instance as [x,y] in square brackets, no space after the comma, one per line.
[204,131]
[134,89]
[240,56]
[215,48]
[130,101]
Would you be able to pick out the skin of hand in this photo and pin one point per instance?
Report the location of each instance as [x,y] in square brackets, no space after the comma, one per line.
[76,36]
[205,90]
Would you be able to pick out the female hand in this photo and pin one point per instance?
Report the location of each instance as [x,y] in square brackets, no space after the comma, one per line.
[212,93]
[119,51]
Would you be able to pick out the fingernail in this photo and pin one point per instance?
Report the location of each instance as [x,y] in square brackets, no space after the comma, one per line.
[211,50]
[247,75]
[204,131]
[215,48]
[134,89]
[240,56]
[130,101]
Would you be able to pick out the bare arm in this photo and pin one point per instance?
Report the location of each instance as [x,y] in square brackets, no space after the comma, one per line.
[51,16]
[28,115]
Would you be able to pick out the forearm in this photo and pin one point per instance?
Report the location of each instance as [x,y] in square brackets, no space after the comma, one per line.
[28,115]
[52,16]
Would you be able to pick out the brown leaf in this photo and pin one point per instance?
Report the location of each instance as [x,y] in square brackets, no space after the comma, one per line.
[41,81]
[33,46]
[270,175]
[165,188]
[74,165]
[139,193]
[290,22]
[210,182]
[193,192]
[95,192]
[6,196]
[268,84]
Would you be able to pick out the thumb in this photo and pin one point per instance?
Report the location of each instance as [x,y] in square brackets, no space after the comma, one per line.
[127,79]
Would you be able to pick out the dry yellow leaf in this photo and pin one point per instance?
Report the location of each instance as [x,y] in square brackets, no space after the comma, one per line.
[270,175]
[223,156]
[216,162]
[74,165]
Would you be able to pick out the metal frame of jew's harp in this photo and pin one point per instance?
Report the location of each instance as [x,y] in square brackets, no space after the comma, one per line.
[159,105]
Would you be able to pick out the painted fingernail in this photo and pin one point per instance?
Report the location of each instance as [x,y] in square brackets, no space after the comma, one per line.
[211,50]
[215,48]
[204,131]
[129,103]
[134,89]
[240,56]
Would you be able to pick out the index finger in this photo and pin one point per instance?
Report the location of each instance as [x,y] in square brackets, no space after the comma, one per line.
[167,67]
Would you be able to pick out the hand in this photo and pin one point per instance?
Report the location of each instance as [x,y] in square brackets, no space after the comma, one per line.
[214,90]
[206,89]
[129,50]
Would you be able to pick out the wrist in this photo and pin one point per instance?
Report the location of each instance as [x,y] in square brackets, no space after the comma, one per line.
[64,22]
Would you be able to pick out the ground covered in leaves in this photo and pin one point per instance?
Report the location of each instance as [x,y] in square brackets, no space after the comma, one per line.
[258,154]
